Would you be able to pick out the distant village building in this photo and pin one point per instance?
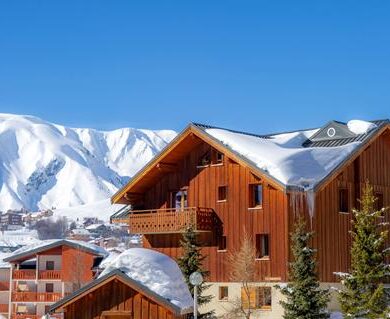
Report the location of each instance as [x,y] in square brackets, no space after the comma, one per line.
[43,273]
[80,234]
[11,220]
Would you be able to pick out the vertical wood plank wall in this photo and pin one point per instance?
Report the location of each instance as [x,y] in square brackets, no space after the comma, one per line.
[332,238]
[234,214]
[115,296]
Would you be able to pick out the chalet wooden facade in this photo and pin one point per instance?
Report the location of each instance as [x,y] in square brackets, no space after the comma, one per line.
[202,180]
[115,295]
[42,274]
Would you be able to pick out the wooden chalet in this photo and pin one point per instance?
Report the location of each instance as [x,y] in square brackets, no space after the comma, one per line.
[116,296]
[224,182]
[138,283]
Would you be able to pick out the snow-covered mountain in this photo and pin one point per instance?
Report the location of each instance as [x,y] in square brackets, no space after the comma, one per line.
[44,165]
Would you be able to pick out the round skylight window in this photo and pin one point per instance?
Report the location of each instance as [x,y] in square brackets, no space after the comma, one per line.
[331,132]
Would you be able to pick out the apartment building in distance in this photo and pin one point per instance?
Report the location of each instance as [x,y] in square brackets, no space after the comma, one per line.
[45,272]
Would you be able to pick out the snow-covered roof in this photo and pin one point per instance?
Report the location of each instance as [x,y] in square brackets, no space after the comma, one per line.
[43,245]
[16,238]
[4,264]
[286,158]
[80,231]
[156,271]
[94,226]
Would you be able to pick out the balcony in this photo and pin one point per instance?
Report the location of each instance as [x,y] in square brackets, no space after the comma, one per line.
[27,296]
[24,274]
[25,316]
[50,274]
[165,221]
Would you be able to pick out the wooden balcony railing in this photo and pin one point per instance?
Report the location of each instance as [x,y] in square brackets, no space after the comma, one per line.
[27,296]
[50,274]
[171,220]
[4,285]
[3,308]
[24,274]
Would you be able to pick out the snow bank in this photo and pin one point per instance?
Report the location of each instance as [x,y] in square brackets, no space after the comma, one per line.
[283,156]
[156,271]
[360,127]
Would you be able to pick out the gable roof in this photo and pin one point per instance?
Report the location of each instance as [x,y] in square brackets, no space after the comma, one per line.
[44,245]
[119,275]
[288,160]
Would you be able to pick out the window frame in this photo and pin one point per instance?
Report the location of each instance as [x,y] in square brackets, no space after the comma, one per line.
[343,194]
[222,244]
[257,298]
[223,293]
[223,189]
[262,245]
[49,284]
[252,195]
[49,262]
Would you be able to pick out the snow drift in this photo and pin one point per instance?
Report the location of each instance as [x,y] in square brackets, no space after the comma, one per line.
[156,271]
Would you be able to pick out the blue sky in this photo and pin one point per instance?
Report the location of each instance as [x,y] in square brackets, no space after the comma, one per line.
[260,66]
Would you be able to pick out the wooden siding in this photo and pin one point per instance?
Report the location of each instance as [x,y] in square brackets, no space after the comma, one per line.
[234,214]
[76,265]
[116,296]
[332,238]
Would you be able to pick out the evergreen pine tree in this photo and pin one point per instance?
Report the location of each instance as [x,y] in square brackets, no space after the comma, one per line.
[304,297]
[363,294]
[191,261]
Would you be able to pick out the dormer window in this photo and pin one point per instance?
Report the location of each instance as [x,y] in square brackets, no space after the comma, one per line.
[204,160]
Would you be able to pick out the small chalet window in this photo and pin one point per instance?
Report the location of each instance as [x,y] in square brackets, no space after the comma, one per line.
[223,293]
[343,200]
[264,297]
[204,160]
[255,195]
[378,201]
[49,265]
[262,246]
[217,158]
[222,243]
[222,193]
[49,287]
[257,298]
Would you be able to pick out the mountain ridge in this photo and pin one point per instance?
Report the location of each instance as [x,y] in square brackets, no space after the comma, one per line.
[45,165]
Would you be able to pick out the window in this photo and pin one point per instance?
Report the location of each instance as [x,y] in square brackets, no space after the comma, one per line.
[222,193]
[49,265]
[49,287]
[204,160]
[257,298]
[378,201]
[222,243]
[262,246]
[256,195]
[217,158]
[223,293]
[343,200]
